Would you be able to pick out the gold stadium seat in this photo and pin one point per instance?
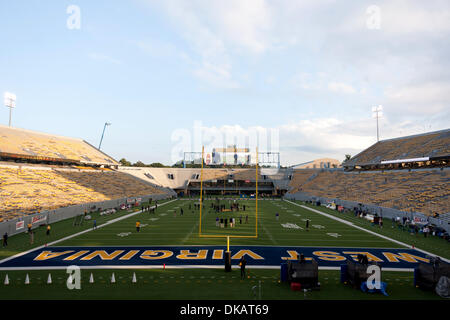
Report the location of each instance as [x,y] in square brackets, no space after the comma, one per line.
[34,189]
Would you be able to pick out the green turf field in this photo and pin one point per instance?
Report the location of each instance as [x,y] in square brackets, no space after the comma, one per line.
[171,228]
[168,227]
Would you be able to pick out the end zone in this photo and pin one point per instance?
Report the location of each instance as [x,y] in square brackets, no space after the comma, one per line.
[184,257]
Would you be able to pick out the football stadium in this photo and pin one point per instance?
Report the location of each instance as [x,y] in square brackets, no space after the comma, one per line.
[154,231]
[225,158]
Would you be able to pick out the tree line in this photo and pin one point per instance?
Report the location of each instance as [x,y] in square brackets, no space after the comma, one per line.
[139,163]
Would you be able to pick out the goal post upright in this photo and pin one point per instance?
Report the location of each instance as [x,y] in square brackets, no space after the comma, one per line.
[201,193]
[256,195]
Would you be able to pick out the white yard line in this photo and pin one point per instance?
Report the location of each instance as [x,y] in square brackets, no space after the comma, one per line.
[268,234]
[79,233]
[351,224]
[190,233]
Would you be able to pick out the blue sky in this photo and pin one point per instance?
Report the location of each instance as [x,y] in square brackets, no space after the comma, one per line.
[310,69]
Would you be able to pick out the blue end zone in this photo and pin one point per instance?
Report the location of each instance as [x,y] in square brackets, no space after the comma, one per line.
[256,256]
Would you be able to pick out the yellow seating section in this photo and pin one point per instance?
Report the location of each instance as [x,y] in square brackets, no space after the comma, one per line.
[420,191]
[224,174]
[299,178]
[29,143]
[212,174]
[29,191]
[432,144]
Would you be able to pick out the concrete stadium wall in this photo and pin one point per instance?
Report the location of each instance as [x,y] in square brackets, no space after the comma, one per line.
[139,173]
[371,208]
[183,175]
[56,215]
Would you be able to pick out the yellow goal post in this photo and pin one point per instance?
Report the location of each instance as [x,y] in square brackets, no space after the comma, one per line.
[227,236]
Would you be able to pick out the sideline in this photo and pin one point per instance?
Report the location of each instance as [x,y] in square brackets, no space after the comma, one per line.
[79,233]
[137,267]
[351,224]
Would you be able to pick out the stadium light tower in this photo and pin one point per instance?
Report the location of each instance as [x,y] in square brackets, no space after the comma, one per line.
[103,133]
[10,102]
[377,112]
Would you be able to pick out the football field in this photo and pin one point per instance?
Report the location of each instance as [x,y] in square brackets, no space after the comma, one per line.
[171,250]
[168,227]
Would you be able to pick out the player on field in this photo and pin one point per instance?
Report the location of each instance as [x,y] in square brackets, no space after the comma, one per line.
[5,239]
[138,226]
[242,264]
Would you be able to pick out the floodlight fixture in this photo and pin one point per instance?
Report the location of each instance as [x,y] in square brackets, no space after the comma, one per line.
[103,133]
[377,112]
[10,102]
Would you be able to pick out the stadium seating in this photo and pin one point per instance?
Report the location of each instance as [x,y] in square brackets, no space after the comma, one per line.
[30,190]
[423,191]
[210,174]
[299,178]
[245,174]
[29,144]
[431,144]
[225,174]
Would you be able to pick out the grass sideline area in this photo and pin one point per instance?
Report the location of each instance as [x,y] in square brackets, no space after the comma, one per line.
[198,284]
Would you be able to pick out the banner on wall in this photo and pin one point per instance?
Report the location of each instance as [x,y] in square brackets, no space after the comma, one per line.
[420,220]
[38,219]
[20,225]
[208,159]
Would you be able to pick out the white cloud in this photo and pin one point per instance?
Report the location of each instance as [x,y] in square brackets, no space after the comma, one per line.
[409,17]
[301,141]
[399,18]
[403,65]
[307,81]
[216,29]
[104,58]
[322,81]
[270,80]
[327,133]
[217,75]
[157,48]
[425,98]
[242,23]
[341,87]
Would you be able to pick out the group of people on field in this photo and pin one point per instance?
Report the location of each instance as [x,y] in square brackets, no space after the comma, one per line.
[223,222]
[30,231]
